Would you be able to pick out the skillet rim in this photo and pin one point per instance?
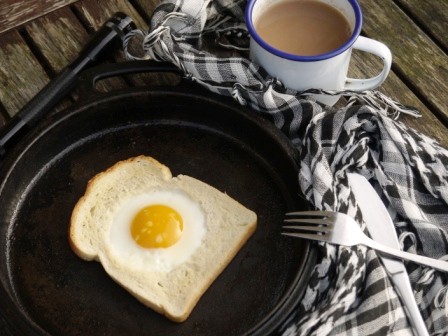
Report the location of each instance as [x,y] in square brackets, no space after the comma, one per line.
[14,155]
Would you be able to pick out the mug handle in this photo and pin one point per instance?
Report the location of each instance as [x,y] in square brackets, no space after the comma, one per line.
[378,49]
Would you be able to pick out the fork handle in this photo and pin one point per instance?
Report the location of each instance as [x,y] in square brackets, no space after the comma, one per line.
[422,260]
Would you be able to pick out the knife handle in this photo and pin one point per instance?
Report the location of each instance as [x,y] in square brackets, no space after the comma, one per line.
[404,289]
[422,260]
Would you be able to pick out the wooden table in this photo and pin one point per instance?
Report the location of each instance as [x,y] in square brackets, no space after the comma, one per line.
[38,38]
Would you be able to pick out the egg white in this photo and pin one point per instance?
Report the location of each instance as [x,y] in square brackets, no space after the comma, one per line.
[127,252]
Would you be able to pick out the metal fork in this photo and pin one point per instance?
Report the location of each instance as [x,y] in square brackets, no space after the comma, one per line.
[338,228]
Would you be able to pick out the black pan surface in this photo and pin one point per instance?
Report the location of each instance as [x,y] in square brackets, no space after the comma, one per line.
[47,289]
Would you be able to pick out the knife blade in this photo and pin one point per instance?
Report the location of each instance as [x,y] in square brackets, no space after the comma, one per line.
[382,229]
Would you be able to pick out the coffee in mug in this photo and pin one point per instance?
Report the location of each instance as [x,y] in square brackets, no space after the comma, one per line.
[306,27]
[288,49]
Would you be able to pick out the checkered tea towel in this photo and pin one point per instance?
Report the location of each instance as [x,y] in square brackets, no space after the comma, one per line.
[349,292]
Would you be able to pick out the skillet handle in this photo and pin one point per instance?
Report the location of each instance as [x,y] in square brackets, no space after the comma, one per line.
[105,38]
[89,78]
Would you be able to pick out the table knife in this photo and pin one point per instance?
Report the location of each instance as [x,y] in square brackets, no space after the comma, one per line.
[382,229]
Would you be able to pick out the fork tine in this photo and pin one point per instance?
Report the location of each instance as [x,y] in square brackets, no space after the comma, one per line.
[306,236]
[311,221]
[312,228]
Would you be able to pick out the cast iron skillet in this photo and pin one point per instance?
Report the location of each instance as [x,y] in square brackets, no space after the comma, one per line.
[47,289]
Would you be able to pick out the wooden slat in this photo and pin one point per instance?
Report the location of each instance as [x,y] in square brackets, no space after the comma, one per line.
[56,32]
[95,14]
[21,74]
[16,12]
[432,15]
[363,66]
[416,57]
[61,30]
[147,6]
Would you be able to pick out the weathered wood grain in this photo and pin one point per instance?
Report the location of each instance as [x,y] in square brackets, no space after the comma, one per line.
[431,15]
[364,66]
[420,77]
[147,6]
[59,36]
[95,14]
[61,31]
[16,12]
[21,75]
[417,59]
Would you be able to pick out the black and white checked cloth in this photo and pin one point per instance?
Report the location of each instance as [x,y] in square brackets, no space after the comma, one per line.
[349,292]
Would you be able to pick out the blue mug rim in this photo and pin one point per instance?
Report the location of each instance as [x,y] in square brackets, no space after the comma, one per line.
[320,57]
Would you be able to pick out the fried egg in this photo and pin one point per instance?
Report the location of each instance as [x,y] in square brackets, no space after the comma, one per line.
[157,231]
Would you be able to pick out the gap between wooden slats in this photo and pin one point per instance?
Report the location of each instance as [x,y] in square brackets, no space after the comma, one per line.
[418,61]
[21,74]
[62,31]
[95,14]
[430,16]
[14,13]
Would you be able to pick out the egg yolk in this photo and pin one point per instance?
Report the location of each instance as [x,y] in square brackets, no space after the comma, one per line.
[156,226]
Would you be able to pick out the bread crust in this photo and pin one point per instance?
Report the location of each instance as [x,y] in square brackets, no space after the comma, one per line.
[165,171]
[80,222]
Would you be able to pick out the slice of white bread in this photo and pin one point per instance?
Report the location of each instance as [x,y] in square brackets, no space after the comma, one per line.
[173,293]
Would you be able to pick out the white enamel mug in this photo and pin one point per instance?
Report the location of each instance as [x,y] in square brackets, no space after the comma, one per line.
[325,71]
